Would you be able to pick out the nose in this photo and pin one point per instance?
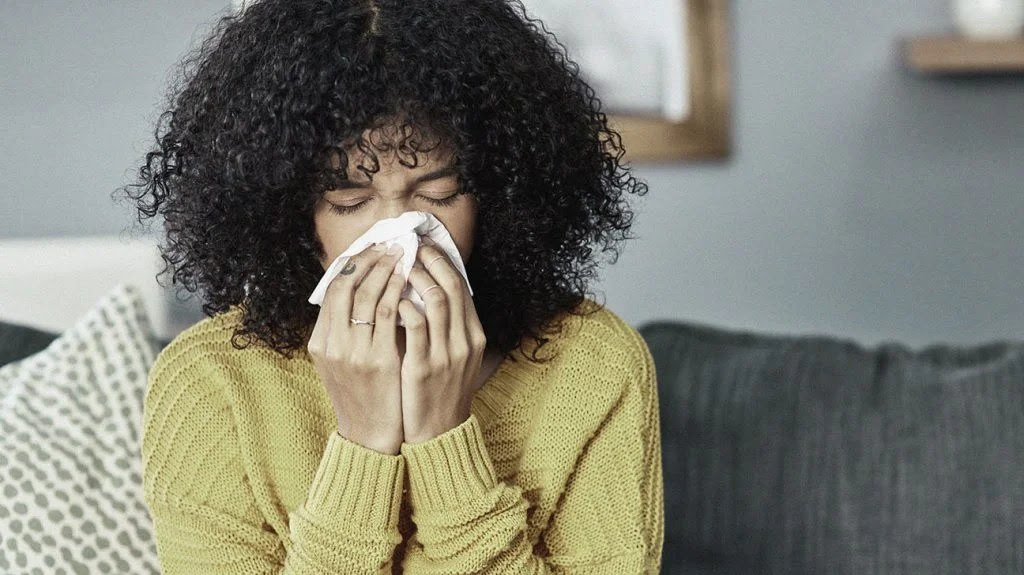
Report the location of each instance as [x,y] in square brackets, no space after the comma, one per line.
[394,205]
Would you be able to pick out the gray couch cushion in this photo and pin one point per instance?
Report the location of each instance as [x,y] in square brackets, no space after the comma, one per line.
[18,341]
[816,455]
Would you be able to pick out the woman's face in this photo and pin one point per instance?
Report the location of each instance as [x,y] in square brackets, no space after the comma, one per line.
[344,213]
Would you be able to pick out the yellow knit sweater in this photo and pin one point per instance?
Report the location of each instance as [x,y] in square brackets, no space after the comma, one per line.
[556,470]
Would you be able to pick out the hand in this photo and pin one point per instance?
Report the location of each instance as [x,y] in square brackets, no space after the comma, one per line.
[443,349]
[359,364]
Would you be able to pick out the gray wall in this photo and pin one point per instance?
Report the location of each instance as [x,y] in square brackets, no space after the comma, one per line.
[860,200]
[80,84]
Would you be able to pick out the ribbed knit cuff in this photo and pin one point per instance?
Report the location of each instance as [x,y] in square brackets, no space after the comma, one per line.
[450,469]
[358,484]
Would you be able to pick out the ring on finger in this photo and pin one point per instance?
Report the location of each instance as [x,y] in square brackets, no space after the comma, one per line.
[428,289]
[434,260]
[355,321]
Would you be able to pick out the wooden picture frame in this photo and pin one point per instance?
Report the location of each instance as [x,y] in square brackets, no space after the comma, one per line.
[705,133]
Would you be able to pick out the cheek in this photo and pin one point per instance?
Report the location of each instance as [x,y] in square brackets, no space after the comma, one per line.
[464,241]
[333,237]
[462,227]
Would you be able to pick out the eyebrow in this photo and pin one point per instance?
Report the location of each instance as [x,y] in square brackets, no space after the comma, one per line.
[434,175]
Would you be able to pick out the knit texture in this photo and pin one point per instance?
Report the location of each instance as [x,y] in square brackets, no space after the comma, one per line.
[557,469]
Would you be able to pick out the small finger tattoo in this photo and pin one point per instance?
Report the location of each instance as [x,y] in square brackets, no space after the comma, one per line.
[348,269]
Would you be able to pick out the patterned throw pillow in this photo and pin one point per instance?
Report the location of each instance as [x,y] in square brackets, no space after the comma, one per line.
[70,470]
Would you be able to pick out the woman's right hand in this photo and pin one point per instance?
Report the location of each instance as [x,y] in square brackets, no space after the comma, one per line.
[360,364]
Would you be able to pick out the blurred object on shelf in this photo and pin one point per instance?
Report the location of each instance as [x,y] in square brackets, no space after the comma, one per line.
[989,19]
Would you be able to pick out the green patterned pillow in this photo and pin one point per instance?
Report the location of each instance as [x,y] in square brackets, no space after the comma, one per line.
[70,478]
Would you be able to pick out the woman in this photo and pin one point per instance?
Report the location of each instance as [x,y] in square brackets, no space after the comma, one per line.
[512,430]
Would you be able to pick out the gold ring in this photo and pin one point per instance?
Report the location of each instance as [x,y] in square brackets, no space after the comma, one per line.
[434,260]
[428,289]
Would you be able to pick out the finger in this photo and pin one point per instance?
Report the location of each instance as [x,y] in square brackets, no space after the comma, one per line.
[438,265]
[368,294]
[437,308]
[472,317]
[387,309]
[339,296]
[319,330]
[475,334]
[416,344]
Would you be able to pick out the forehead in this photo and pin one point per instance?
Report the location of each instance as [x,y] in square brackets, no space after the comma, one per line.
[394,151]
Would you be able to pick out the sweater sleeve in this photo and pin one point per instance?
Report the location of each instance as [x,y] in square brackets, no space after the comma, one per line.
[202,505]
[610,519]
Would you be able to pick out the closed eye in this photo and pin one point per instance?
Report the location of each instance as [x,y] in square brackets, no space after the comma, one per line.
[348,209]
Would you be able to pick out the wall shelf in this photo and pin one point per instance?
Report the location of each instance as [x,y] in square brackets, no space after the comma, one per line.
[959,55]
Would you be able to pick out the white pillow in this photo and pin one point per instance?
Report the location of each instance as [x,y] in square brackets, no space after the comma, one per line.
[70,463]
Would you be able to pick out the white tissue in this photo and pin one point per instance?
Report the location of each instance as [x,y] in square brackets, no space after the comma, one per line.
[404,230]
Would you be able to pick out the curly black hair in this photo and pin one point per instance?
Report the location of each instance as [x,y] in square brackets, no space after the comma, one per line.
[253,112]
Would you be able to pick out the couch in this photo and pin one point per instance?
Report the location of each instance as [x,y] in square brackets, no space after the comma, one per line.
[817,455]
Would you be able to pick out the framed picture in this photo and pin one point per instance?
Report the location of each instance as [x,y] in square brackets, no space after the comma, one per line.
[661,71]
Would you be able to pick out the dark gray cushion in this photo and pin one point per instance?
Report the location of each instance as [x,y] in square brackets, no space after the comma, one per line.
[19,341]
[787,454]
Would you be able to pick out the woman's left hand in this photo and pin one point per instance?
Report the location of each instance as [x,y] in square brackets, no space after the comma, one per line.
[443,349]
